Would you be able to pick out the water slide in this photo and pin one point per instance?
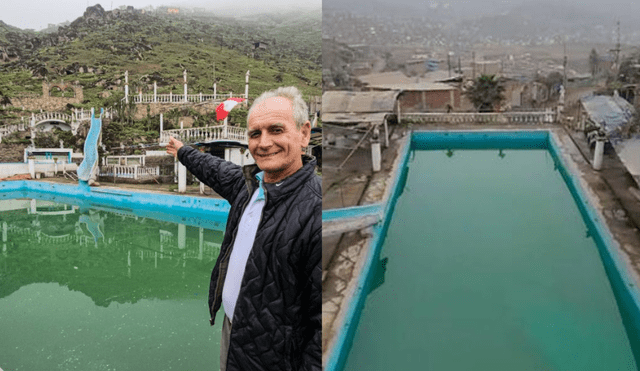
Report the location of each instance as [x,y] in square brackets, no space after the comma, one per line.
[90,162]
[92,222]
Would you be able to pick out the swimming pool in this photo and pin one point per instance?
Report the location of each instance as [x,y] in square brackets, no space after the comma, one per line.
[489,263]
[106,279]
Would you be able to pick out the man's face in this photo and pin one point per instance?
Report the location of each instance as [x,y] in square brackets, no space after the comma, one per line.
[274,140]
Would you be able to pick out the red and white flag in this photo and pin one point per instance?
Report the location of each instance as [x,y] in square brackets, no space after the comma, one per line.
[223,109]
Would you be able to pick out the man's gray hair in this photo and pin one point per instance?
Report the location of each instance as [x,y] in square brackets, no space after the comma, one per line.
[300,109]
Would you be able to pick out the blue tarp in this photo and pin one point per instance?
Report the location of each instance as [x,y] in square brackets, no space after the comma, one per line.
[610,113]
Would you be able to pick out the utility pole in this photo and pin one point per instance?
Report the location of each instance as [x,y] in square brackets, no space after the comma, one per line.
[616,51]
[564,65]
[473,57]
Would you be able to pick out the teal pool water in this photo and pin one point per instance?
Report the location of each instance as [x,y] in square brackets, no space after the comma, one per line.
[488,264]
[105,289]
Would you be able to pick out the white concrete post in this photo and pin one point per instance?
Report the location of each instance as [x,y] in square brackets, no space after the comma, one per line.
[126,86]
[140,95]
[182,178]
[155,91]
[376,155]
[182,236]
[214,91]
[32,205]
[170,97]
[181,124]
[135,172]
[32,167]
[246,85]
[599,153]
[161,126]
[185,85]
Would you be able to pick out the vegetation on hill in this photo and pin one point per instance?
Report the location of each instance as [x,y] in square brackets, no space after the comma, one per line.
[95,50]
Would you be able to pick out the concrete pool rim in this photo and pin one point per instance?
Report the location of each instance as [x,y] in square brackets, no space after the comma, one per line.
[179,208]
[621,275]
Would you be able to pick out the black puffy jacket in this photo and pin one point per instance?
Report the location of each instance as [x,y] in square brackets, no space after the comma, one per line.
[277,319]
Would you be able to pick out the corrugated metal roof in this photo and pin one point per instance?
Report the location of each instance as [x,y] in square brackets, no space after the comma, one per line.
[353,118]
[397,77]
[385,78]
[420,86]
[611,113]
[351,102]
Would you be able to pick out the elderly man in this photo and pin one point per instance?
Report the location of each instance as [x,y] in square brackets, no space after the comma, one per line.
[267,276]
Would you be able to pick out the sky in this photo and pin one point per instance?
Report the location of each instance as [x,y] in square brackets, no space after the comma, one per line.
[37,14]
[624,9]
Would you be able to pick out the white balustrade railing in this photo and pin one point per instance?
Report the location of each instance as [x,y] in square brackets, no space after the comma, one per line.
[81,114]
[44,116]
[206,134]
[130,172]
[178,98]
[535,118]
[8,129]
[54,240]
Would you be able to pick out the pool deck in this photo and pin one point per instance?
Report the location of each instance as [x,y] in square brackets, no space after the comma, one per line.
[192,190]
[346,245]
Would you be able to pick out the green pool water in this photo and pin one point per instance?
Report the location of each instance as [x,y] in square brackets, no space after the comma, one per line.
[98,290]
[487,265]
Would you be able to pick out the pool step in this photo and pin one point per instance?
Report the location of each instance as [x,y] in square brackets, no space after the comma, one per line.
[335,227]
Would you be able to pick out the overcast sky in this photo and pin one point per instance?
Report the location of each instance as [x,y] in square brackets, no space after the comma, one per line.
[624,9]
[37,14]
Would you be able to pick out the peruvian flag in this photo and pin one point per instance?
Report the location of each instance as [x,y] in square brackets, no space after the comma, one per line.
[225,107]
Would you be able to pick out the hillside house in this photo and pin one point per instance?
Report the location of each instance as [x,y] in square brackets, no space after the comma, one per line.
[260,46]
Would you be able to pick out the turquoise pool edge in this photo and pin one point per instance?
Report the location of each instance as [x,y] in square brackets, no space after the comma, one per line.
[624,286]
[182,207]
[338,353]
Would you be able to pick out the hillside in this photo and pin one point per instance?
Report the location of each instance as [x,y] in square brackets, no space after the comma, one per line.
[98,47]
[95,50]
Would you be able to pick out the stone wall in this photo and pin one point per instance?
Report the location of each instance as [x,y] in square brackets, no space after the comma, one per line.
[46,102]
[429,100]
[158,108]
